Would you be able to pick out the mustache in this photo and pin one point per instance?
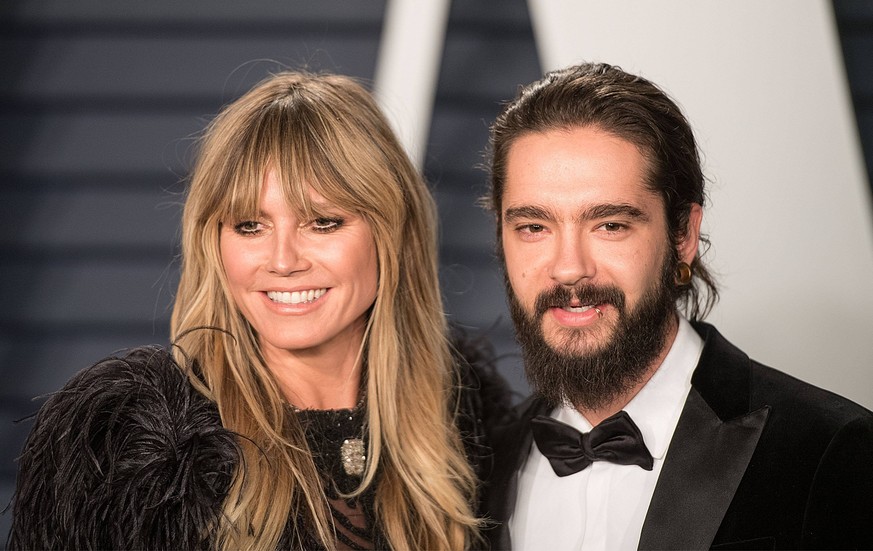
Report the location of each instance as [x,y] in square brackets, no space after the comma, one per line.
[560,296]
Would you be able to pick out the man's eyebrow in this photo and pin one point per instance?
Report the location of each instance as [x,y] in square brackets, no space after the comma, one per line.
[610,210]
[595,212]
[527,212]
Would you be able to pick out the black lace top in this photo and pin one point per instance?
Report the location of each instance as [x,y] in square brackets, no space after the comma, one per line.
[337,439]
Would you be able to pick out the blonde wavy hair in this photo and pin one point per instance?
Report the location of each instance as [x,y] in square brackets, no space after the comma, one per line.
[325,132]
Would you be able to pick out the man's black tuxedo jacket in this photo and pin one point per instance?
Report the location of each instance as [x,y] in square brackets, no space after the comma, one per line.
[759,460]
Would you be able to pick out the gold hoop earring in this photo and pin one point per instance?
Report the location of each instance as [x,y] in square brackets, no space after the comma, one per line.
[684,274]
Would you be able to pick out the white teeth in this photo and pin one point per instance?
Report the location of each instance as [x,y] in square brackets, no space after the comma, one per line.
[577,310]
[296,297]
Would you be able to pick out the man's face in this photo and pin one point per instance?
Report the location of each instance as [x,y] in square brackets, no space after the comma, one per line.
[588,259]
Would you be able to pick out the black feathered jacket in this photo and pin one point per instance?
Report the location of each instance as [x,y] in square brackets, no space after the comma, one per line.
[128,455]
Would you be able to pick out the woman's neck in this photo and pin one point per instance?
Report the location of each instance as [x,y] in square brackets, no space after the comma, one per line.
[324,378]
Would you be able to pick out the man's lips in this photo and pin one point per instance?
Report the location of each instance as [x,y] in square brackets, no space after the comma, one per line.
[580,309]
[576,301]
[577,316]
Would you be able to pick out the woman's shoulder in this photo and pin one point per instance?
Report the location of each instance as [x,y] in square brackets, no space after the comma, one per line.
[128,454]
[483,389]
[484,398]
[150,366]
[134,386]
[130,363]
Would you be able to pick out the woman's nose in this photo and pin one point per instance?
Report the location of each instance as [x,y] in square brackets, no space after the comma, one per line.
[288,254]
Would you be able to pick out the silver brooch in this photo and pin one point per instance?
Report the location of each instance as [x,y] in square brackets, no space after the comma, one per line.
[353,456]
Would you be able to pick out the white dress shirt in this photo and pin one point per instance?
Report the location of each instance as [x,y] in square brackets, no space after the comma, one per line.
[604,506]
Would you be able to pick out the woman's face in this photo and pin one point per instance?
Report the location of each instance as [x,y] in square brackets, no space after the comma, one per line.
[304,285]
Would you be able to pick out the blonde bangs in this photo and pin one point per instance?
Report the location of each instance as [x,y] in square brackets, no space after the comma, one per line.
[326,152]
[308,150]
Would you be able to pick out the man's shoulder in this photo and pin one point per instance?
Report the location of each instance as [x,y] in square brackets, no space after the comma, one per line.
[532,406]
[786,395]
[509,437]
[811,461]
[521,413]
[802,400]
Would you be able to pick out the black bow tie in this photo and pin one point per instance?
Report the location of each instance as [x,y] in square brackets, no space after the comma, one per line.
[616,439]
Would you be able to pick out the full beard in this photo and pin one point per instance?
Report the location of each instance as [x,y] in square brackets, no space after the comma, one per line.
[575,370]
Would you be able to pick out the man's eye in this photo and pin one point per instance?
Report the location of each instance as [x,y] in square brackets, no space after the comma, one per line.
[532,228]
[247,227]
[613,227]
[325,225]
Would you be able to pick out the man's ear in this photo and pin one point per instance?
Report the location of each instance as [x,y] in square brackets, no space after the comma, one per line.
[687,248]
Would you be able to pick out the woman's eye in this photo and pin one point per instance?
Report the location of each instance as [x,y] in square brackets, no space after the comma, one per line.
[247,227]
[325,225]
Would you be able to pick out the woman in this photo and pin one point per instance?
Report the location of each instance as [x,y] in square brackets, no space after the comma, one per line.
[319,405]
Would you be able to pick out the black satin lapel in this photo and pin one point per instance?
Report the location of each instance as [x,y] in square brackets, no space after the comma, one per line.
[511,443]
[705,463]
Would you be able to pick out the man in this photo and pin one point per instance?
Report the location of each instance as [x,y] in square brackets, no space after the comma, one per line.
[598,193]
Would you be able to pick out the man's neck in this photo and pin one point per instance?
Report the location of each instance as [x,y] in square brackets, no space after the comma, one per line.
[595,416]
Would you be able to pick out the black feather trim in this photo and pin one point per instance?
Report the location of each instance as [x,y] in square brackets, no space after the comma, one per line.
[485,397]
[128,455]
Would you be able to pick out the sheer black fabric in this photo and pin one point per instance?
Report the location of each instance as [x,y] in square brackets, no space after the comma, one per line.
[354,519]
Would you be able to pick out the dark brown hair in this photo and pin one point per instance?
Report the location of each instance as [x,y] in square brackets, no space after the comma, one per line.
[634,109]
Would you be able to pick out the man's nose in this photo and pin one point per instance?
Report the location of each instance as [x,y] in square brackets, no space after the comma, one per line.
[572,261]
